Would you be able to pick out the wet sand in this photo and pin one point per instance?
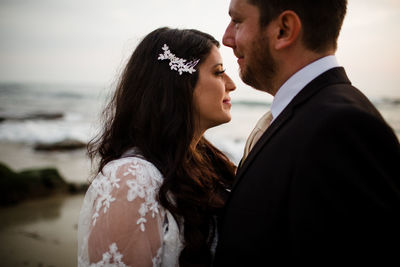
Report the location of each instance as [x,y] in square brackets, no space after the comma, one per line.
[40,232]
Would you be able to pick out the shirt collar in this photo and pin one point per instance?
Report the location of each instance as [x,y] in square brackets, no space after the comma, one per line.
[298,81]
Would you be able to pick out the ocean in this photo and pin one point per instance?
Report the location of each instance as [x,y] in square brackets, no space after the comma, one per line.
[33,113]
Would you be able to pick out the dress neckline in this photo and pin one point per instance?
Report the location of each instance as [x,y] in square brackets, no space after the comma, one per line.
[132,152]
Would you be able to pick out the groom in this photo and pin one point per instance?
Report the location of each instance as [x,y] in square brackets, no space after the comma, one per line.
[321,181]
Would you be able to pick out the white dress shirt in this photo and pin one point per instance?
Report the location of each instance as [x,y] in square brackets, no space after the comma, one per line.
[298,81]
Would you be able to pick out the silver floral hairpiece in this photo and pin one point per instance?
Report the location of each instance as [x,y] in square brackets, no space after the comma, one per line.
[176,63]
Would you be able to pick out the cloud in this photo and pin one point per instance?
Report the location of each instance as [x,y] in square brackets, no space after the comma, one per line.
[89,41]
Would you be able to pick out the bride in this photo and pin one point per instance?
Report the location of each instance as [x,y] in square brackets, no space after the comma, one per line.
[160,183]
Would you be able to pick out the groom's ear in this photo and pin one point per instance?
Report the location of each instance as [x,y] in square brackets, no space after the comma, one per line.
[287,27]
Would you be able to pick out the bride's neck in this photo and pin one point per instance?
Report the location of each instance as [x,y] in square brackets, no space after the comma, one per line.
[196,138]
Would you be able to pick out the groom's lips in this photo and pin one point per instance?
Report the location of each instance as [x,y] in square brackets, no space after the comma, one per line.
[239,57]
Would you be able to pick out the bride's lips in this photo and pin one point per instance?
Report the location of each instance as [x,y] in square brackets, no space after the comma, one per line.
[227,101]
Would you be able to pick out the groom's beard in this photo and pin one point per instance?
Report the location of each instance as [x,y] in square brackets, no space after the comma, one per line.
[261,66]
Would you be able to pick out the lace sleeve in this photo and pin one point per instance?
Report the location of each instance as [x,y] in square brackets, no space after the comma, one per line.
[126,220]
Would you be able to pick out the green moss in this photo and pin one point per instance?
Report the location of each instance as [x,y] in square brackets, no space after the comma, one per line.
[48,177]
[28,184]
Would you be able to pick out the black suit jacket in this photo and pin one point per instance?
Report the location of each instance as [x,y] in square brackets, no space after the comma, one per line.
[322,185]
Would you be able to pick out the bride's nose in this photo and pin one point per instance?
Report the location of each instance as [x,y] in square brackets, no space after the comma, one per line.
[229,84]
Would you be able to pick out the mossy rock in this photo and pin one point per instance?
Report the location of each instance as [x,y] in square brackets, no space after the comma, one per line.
[12,188]
[29,184]
[65,145]
[48,177]
[77,188]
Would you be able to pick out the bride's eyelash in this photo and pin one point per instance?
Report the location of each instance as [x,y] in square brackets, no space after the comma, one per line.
[220,72]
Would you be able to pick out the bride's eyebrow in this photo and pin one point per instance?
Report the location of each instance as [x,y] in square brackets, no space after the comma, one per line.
[218,64]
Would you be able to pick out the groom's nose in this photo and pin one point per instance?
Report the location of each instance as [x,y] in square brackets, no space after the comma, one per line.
[229,36]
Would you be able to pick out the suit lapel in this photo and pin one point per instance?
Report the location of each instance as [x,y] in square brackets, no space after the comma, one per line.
[272,129]
[335,75]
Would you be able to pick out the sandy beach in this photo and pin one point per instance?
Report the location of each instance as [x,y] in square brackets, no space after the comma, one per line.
[40,232]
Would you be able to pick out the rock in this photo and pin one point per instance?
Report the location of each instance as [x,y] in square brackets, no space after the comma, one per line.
[49,178]
[33,183]
[77,188]
[64,145]
[33,116]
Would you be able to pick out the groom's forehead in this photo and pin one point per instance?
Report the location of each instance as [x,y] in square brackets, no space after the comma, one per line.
[242,7]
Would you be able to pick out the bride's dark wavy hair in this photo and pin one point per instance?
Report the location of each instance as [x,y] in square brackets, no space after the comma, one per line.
[153,110]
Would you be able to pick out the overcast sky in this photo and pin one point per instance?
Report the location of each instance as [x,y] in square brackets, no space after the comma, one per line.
[80,41]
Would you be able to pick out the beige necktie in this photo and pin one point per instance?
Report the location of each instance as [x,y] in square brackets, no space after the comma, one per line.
[257,132]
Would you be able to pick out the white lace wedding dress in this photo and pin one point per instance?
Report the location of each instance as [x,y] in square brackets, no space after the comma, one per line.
[121,222]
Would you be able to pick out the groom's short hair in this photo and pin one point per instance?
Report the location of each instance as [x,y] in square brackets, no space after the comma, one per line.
[321,19]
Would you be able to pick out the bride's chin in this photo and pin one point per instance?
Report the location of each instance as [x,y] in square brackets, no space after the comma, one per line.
[227,119]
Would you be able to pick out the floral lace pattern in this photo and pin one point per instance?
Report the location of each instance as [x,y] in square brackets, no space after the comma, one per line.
[145,189]
[141,187]
[120,204]
[103,185]
[111,258]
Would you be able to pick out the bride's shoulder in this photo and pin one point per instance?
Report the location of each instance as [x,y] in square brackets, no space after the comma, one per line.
[127,168]
[131,165]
